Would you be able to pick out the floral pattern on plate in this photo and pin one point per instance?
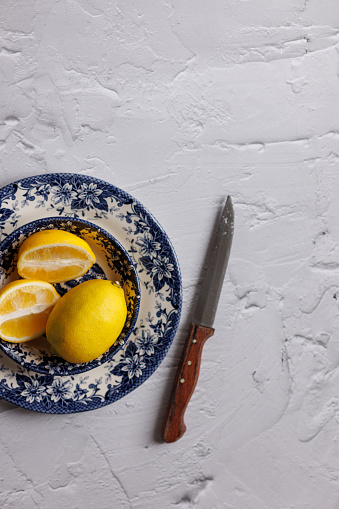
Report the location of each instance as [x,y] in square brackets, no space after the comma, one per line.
[79,196]
[114,264]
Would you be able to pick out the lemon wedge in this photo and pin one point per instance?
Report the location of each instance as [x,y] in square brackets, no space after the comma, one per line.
[54,256]
[25,306]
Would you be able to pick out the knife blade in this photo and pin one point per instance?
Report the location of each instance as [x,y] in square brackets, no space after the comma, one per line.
[201,328]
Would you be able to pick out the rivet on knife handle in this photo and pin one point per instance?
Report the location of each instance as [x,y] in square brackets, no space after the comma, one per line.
[185,382]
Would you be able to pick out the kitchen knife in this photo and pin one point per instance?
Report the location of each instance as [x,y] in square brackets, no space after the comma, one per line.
[201,328]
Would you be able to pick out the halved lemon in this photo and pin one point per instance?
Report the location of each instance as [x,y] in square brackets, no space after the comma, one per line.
[25,306]
[54,256]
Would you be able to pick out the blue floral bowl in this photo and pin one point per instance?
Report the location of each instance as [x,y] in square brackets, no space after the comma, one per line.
[112,262]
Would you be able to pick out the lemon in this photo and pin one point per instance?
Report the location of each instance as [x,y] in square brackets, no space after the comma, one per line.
[24,309]
[87,320]
[54,256]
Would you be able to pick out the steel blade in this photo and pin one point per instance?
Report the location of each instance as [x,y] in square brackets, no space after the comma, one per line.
[214,277]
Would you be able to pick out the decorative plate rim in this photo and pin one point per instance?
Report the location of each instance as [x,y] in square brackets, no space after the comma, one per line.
[159,272]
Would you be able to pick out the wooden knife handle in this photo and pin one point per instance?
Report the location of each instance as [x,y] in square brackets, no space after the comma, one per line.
[185,382]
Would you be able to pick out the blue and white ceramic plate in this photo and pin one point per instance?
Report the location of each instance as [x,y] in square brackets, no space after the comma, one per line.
[112,262]
[104,205]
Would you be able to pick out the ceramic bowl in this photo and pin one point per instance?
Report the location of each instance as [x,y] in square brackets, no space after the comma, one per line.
[112,262]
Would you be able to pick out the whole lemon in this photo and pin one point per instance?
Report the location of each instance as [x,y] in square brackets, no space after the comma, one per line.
[87,320]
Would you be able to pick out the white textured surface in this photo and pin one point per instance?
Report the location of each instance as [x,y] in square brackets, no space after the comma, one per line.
[180,103]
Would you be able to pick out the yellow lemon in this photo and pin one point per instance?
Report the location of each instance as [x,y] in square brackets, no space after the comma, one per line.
[54,256]
[87,320]
[24,309]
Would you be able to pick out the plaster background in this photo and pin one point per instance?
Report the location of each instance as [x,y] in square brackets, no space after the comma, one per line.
[180,104]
